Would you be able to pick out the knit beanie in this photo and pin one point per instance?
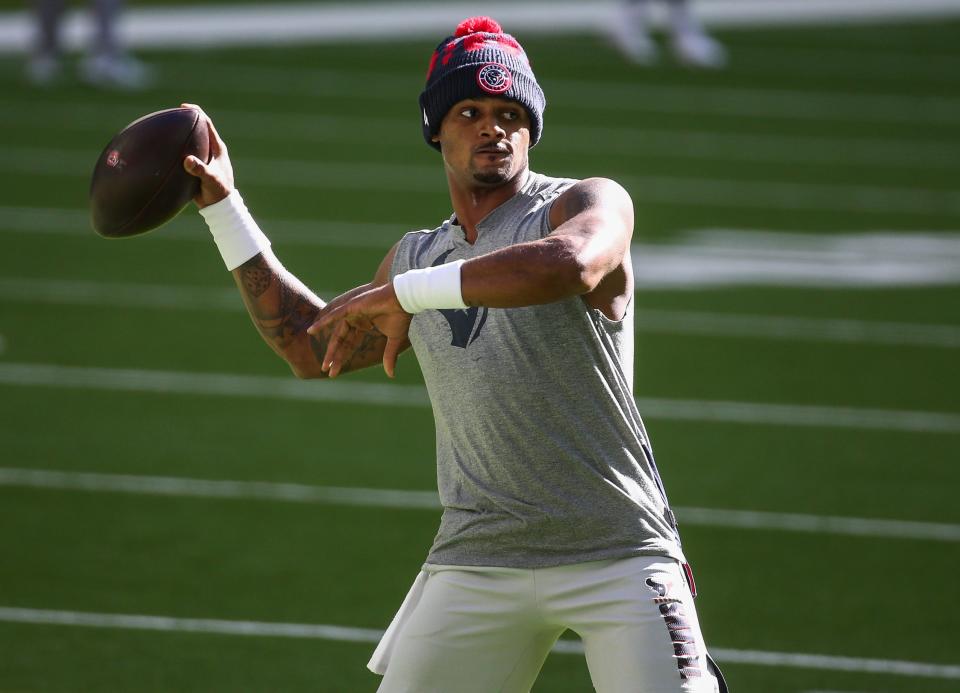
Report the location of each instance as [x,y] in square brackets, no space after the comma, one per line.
[479,60]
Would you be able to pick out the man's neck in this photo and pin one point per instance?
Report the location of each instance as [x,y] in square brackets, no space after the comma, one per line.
[471,205]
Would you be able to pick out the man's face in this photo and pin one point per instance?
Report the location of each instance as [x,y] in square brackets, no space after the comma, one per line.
[484,141]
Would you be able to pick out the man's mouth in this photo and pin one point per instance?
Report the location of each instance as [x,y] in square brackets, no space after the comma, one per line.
[493,150]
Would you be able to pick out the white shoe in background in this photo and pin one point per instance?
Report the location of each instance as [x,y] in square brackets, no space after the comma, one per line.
[694,48]
[630,35]
[115,71]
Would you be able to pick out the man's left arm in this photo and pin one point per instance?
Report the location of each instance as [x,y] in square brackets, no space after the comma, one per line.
[592,226]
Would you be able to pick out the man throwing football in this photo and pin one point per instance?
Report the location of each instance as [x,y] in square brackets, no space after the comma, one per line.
[519,310]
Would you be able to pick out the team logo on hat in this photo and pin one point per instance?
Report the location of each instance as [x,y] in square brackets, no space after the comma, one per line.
[494,78]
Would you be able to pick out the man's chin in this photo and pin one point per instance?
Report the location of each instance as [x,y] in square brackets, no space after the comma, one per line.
[492,178]
[496,175]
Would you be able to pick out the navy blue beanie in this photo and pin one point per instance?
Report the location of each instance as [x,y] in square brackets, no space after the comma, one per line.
[479,60]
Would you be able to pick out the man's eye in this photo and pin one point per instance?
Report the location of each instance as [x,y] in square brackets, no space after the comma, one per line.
[468,112]
[511,115]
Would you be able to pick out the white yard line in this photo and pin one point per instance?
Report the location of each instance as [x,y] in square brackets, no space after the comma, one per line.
[428,500]
[593,97]
[622,141]
[173,297]
[798,329]
[190,227]
[819,524]
[370,635]
[393,395]
[287,23]
[314,175]
[213,384]
[189,625]
[121,294]
[202,488]
[832,663]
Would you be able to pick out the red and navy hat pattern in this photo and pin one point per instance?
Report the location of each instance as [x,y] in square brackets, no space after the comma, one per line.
[479,60]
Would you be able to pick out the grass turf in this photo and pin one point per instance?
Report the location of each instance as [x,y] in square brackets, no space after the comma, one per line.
[329,106]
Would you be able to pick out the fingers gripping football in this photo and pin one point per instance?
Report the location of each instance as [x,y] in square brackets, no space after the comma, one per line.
[216,175]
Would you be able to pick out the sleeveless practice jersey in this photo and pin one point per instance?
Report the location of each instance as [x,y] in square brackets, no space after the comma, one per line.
[542,458]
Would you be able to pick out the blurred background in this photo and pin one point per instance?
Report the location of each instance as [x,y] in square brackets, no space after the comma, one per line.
[177,512]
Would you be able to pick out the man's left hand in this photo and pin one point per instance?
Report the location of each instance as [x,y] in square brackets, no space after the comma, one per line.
[376,310]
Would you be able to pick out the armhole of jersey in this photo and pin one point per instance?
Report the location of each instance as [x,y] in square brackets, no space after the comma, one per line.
[554,196]
[609,324]
[396,256]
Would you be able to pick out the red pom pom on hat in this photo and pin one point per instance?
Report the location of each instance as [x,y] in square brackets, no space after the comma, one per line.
[475,24]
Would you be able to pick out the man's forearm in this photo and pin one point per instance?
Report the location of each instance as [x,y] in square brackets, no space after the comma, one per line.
[526,274]
[282,309]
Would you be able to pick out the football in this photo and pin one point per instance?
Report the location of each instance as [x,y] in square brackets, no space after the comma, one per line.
[138,182]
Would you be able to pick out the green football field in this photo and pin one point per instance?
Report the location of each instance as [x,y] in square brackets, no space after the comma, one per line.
[170,495]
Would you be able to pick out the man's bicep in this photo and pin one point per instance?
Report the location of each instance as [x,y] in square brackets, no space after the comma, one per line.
[598,212]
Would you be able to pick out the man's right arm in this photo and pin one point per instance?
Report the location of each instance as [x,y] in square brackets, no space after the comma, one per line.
[280,305]
[282,308]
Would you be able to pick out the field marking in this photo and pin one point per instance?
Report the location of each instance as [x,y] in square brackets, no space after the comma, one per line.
[189,625]
[594,96]
[370,635]
[212,384]
[204,488]
[735,257]
[289,23]
[692,259]
[886,63]
[190,227]
[429,500]
[669,144]
[798,328]
[189,298]
[395,395]
[427,180]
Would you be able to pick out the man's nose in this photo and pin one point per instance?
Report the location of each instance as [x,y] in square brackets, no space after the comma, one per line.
[490,127]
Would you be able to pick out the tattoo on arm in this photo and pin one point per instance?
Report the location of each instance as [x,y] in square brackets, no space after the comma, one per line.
[282,311]
[255,276]
[370,348]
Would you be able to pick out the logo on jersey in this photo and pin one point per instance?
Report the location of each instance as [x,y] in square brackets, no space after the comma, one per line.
[465,324]
[494,78]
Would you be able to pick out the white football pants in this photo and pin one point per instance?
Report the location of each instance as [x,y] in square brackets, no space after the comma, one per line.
[486,630]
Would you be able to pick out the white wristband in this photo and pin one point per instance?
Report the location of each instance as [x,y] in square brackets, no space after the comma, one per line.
[432,287]
[236,233]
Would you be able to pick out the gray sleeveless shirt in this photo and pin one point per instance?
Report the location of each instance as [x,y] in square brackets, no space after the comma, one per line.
[542,458]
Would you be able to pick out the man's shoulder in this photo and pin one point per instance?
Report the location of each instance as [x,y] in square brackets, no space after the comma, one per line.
[416,248]
[545,187]
[419,237]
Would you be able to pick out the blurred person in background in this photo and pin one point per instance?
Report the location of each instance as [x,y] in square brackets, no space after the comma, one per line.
[690,43]
[106,64]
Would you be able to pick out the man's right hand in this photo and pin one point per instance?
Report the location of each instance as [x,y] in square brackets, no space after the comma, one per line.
[216,175]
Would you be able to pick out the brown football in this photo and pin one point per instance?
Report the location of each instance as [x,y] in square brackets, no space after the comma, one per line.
[138,182]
